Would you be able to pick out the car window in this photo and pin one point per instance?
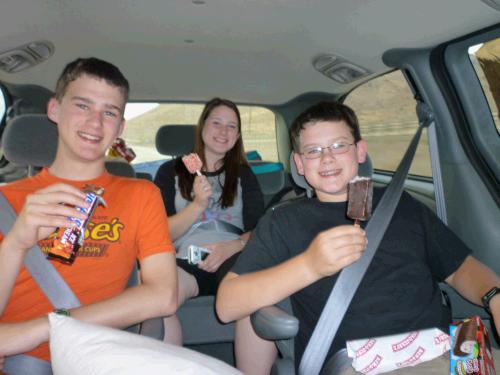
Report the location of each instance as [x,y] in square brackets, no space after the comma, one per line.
[485,58]
[144,120]
[386,110]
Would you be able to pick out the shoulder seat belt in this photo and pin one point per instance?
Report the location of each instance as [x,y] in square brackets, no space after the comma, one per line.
[52,285]
[350,277]
[424,113]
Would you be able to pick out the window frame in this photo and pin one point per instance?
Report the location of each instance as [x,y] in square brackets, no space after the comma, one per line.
[479,141]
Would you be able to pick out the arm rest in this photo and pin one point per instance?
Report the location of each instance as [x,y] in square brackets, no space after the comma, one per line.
[273,323]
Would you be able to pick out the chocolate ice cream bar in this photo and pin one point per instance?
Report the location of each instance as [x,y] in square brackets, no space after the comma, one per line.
[360,191]
[193,163]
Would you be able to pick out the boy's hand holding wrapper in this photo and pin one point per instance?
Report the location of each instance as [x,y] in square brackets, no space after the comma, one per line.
[69,240]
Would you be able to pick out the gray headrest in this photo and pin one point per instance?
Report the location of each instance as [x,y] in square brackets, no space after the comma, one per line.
[120,168]
[175,140]
[365,170]
[30,140]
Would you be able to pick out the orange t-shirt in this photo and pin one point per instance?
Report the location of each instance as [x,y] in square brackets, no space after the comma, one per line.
[133,225]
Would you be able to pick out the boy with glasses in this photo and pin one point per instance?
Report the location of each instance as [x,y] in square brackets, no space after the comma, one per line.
[298,249]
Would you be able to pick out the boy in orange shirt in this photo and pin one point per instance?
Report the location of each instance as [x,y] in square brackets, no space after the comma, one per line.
[88,110]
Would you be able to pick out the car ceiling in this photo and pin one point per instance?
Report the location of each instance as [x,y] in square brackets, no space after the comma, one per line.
[252,51]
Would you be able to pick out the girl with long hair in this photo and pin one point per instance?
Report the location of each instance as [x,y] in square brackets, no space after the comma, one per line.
[216,210]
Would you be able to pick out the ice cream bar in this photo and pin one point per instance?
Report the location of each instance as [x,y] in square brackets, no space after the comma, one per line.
[193,163]
[471,351]
[69,240]
[359,206]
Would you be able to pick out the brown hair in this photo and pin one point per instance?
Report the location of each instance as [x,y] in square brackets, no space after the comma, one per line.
[325,111]
[93,67]
[232,161]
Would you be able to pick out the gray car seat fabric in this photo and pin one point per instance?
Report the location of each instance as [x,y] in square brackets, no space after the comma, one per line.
[174,140]
[31,141]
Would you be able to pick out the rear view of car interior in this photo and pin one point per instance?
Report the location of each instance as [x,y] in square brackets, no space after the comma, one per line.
[274,59]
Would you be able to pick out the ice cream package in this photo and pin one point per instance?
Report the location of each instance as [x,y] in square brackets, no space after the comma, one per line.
[378,355]
[470,351]
[68,241]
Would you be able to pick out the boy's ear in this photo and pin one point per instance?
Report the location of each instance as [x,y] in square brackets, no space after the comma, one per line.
[298,163]
[361,151]
[53,110]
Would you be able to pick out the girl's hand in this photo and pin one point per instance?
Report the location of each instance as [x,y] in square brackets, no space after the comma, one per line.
[202,191]
[219,253]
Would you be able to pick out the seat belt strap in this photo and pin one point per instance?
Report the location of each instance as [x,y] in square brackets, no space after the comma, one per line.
[26,365]
[42,271]
[424,113]
[350,277]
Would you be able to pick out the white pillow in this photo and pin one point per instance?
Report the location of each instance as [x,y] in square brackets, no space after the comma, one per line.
[80,348]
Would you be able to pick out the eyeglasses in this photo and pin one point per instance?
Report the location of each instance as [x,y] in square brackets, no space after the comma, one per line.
[336,148]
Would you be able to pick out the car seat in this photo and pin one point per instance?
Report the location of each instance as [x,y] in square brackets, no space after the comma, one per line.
[201,328]
[276,323]
[30,140]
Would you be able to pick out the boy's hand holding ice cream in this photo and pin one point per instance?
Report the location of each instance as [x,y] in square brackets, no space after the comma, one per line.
[334,249]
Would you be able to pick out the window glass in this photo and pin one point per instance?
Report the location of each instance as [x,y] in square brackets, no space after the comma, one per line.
[386,111]
[144,120]
[485,58]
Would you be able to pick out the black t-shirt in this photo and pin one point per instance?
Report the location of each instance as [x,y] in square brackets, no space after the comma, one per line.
[399,292]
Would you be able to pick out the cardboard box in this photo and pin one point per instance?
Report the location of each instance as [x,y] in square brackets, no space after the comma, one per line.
[470,352]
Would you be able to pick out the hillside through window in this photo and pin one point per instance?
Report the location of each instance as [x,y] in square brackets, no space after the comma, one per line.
[386,111]
[144,120]
[485,58]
